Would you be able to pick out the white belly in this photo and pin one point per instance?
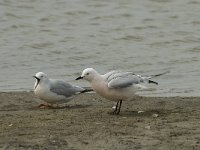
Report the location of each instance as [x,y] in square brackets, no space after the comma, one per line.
[113,94]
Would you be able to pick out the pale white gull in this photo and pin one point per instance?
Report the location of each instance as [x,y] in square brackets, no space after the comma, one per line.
[54,91]
[116,85]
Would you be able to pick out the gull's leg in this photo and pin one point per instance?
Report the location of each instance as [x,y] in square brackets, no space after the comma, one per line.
[57,105]
[42,105]
[45,106]
[120,104]
[116,107]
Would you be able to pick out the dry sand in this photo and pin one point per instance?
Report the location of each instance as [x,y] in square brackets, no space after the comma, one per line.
[165,124]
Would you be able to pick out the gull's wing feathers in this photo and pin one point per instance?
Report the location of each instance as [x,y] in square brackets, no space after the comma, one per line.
[62,88]
[115,74]
[122,82]
[119,79]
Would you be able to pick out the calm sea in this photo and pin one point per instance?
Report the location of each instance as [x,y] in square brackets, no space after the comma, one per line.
[61,38]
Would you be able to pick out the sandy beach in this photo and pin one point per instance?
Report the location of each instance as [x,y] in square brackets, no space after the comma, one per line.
[145,123]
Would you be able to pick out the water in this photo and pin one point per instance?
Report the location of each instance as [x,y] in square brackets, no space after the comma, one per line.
[61,38]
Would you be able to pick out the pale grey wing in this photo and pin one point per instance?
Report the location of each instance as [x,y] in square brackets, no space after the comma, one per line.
[63,88]
[116,74]
[119,79]
[123,82]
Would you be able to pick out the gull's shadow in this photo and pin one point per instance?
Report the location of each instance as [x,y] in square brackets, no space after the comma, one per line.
[61,107]
[75,106]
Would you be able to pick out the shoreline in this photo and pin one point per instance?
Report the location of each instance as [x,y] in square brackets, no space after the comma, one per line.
[85,123]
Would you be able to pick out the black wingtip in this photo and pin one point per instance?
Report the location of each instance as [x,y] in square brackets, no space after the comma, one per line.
[87,90]
[153,82]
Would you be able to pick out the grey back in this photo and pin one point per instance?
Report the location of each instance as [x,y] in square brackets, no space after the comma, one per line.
[61,87]
[119,79]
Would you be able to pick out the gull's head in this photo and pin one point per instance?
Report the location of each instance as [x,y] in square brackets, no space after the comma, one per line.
[40,76]
[88,74]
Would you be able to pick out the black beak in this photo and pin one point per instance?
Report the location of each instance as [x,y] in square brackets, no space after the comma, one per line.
[36,78]
[79,78]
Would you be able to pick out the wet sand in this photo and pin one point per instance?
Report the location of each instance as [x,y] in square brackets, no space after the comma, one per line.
[85,123]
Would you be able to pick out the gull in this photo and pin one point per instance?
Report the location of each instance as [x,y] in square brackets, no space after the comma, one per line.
[115,85]
[54,91]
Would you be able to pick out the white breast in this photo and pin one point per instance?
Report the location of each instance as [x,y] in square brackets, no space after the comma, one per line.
[44,93]
[100,86]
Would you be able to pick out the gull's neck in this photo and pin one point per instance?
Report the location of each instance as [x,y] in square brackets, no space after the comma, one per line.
[43,83]
[96,77]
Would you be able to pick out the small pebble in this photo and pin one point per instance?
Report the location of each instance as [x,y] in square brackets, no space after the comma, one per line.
[140,111]
[148,127]
[155,115]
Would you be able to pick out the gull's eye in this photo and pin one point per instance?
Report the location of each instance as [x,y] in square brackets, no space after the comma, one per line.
[87,73]
[42,76]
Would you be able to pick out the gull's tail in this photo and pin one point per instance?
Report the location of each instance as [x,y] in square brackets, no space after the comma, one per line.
[147,78]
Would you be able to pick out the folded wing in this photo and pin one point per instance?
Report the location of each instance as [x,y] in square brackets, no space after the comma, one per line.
[118,79]
[62,88]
